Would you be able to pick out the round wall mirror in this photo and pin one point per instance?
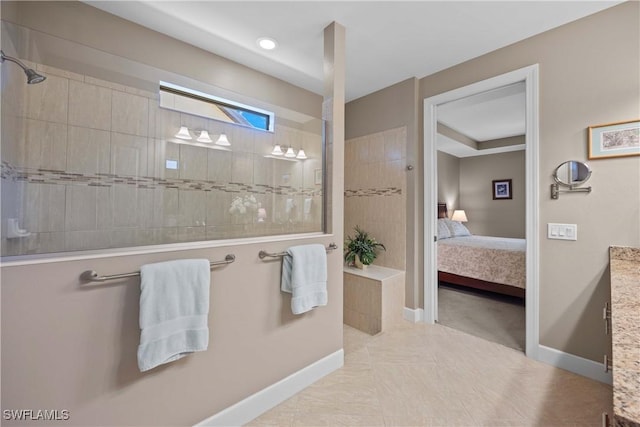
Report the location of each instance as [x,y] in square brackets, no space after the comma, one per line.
[572,173]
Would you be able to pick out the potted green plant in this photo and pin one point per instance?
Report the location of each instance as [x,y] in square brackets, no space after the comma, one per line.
[361,249]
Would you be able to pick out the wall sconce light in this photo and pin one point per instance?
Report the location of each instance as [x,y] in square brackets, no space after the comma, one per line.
[277,151]
[459,215]
[204,137]
[223,140]
[290,153]
[183,133]
[301,155]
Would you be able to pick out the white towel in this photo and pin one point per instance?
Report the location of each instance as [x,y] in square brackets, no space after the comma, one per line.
[174,306]
[304,275]
[289,205]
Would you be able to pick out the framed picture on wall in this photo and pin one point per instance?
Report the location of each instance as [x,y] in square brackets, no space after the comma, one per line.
[619,139]
[502,189]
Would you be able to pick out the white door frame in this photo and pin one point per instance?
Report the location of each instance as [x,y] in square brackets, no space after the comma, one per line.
[530,76]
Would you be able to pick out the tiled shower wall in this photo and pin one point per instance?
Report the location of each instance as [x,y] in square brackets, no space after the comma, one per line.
[84,167]
[375,191]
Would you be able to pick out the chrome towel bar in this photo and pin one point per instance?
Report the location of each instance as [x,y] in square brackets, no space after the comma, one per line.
[92,276]
[265,254]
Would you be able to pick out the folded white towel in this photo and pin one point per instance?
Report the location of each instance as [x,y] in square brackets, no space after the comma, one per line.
[174,306]
[304,275]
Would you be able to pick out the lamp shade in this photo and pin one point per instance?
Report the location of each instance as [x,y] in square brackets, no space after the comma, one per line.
[204,137]
[290,153]
[183,133]
[277,151]
[301,155]
[459,215]
[223,140]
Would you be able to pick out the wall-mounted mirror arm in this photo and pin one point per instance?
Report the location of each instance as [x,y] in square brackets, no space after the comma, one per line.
[555,190]
[570,174]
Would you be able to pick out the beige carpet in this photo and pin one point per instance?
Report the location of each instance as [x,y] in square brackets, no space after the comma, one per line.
[496,318]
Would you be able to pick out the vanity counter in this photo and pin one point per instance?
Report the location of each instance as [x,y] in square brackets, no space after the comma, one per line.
[625,318]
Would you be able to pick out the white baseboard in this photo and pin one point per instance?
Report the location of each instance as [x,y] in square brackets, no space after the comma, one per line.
[413,315]
[257,404]
[576,364]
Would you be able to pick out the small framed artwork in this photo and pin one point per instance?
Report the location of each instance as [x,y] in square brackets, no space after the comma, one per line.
[318,177]
[619,139]
[502,189]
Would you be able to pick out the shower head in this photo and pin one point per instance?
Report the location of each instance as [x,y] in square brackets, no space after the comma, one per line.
[32,76]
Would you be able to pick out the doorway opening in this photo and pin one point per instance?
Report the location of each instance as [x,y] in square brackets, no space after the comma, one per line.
[443,108]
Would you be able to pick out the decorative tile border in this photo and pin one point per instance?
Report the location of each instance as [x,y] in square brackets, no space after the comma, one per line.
[370,192]
[47,176]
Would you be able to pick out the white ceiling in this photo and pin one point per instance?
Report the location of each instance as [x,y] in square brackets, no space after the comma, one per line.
[387,41]
[489,115]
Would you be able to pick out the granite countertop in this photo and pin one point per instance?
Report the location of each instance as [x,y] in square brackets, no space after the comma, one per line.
[625,321]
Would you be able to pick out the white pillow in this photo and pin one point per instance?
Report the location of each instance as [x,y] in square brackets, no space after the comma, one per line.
[456,229]
[443,229]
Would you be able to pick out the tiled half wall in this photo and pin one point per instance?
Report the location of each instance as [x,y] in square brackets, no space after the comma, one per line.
[84,166]
[375,191]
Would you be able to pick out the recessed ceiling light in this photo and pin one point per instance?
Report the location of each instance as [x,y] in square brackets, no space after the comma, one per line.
[266,43]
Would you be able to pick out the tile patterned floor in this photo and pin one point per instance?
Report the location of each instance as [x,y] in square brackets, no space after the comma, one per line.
[431,375]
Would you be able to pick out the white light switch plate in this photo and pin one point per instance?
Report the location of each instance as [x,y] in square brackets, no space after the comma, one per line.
[562,231]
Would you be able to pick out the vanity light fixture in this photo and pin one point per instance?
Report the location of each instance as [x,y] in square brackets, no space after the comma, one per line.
[204,137]
[223,140]
[277,151]
[267,43]
[183,133]
[301,154]
[290,153]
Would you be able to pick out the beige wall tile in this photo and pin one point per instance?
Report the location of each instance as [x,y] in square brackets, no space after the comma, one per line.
[45,145]
[81,208]
[89,105]
[44,207]
[50,101]
[126,209]
[263,170]
[88,151]
[129,155]
[85,240]
[129,114]
[192,208]
[170,207]
[242,168]
[167,122]
[193,162]
[219,166]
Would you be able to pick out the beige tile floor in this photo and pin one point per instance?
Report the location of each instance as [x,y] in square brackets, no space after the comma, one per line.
[431,375]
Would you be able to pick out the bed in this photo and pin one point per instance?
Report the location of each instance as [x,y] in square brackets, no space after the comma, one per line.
[495,264]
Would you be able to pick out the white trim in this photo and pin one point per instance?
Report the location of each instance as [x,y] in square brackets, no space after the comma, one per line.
[413,315]
[259,403]
[143,250]
[572,363]
[530,76]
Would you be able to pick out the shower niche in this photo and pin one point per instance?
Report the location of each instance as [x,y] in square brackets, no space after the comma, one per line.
[91,160]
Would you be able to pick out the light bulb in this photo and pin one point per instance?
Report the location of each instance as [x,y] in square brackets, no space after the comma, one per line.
[290,152]
[277,151]
[183,133]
